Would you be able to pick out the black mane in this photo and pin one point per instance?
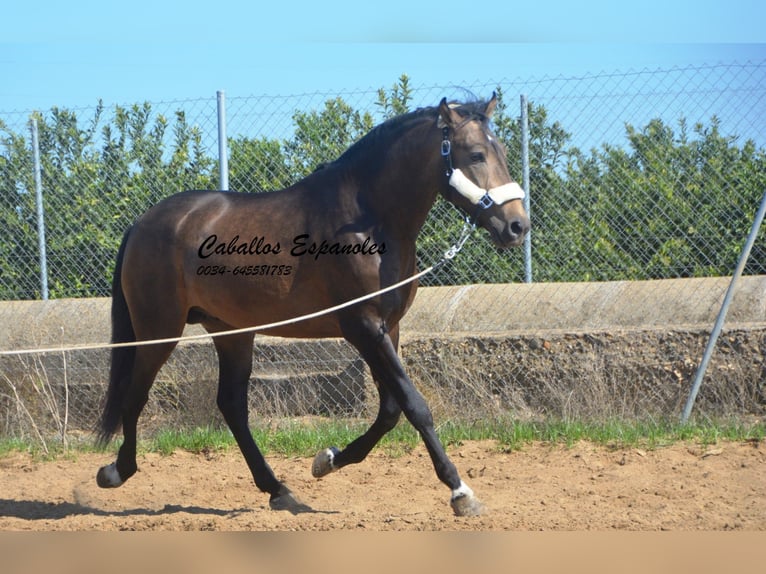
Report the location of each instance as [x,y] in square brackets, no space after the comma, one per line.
[392,127]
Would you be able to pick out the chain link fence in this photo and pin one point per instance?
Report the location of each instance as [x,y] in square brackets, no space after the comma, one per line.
[637,175]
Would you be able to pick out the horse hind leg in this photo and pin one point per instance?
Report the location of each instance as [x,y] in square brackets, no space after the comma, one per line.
[235,356]
[148,361]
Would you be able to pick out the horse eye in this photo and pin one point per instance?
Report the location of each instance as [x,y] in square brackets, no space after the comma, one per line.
[478,157]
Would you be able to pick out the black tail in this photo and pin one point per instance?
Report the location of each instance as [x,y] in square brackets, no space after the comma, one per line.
[122,359]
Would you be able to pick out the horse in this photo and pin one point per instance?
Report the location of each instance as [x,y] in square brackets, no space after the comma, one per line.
[229,260]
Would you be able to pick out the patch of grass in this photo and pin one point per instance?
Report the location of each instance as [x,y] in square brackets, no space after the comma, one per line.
[298,438]
[13,445]
[53,449]
[288,437]
[194,440]
[512,435]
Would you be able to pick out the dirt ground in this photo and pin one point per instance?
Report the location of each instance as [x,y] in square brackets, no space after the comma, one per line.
[538,487]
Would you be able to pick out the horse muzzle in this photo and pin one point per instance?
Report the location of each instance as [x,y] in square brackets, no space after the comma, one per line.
[509,232]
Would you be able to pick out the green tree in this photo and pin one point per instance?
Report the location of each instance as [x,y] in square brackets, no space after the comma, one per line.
[670,204]
[93,188]
[323,136]
[396,101]
[257,165]
[19,258]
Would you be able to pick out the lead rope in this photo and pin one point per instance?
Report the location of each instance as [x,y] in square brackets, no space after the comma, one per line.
[450,254]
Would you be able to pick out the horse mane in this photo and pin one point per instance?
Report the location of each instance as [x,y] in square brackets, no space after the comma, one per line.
[392,127]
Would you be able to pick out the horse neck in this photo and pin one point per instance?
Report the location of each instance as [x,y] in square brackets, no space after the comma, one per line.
[402,190]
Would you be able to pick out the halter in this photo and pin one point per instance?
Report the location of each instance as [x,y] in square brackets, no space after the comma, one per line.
[480,197]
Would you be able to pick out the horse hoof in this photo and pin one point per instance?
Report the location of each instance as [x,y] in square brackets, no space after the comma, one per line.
[467,506]
[285,500]
[324,462]
[108,477]
[465,503]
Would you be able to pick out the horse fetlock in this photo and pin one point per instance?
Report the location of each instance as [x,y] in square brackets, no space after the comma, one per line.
[324,462]
[464,502]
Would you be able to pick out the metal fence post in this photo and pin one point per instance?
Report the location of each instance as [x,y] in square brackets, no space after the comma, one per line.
[525,184]
[40,210]
[724,308]
[223,156]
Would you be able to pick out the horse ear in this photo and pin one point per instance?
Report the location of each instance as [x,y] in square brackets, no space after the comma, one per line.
[491,105]
[447,116]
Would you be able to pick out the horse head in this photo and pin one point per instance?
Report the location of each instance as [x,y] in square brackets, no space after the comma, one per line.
[477,179]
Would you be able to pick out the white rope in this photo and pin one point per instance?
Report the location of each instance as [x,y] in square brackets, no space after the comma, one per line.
[90,346]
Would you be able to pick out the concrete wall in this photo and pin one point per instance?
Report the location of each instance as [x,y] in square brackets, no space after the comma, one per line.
[508,308]
[524,308]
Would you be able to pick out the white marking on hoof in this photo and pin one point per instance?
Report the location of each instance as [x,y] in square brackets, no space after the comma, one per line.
[324,462]
[464,502]
[108,477]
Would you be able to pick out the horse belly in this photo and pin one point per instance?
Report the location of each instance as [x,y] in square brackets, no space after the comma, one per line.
[241,294]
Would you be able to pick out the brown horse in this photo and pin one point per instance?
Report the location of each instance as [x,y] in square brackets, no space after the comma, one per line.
[232,260]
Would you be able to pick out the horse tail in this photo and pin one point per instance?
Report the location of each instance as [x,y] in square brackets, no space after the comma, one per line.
[122,358]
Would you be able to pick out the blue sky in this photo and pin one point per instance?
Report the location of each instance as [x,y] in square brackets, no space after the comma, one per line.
[70,55]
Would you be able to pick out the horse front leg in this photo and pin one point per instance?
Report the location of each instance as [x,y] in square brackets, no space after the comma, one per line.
[379,351]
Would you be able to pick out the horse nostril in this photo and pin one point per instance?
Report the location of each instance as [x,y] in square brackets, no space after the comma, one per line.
[518,227]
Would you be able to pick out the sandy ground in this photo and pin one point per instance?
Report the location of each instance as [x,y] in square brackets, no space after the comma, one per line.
[539,487]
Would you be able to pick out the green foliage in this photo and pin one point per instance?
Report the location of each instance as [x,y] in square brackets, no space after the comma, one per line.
[396,102]
[323,136]
[96,182]
[257,165]
[666,206]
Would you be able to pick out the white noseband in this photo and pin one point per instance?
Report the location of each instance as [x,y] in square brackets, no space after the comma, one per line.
[482,197]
